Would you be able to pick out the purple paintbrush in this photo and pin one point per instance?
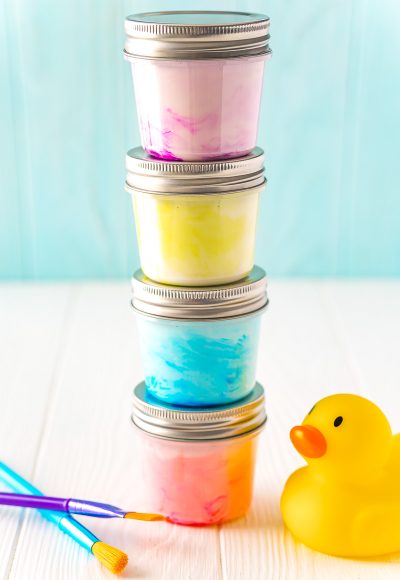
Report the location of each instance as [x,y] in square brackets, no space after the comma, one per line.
[74,506]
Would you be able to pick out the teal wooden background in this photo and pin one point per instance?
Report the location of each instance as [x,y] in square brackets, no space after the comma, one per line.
[330,125]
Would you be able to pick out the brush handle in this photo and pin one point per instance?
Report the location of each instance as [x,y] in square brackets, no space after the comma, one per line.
[59,504]
[34,501]
[66,523]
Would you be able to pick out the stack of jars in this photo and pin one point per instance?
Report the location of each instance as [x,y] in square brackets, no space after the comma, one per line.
[198,298]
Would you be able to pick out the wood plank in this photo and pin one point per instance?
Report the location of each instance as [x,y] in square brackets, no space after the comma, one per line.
[302,359]
[298,364]
[32,327]
[366,318]
[318,337]
[88,451]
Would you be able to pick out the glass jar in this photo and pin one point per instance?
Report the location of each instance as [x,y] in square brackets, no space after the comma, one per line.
[195,222]
[199,345]
[198,79]
[198,467]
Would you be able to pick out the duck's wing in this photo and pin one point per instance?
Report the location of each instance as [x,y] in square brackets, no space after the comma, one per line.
[376,529]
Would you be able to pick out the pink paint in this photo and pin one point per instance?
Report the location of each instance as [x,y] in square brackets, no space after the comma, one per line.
[163,154]
[197,483]
[198,109]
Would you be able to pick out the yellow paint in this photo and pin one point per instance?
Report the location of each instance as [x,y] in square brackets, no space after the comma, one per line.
[145,517]
[196,239]
[115,560]
[346,501]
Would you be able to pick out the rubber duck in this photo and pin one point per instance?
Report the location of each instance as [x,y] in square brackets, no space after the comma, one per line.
[346,500]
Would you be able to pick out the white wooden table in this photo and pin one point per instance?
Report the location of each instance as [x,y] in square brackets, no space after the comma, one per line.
[69,360]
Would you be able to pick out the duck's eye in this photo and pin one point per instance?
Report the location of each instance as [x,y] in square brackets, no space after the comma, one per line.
[311,410]
[338,421]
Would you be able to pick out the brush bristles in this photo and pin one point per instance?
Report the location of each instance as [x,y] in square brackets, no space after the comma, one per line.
[145,517]
[111,557]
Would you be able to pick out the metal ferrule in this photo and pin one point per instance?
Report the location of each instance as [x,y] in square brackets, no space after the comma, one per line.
[148,175]
[196,34]
[90,508]
[200,424]
[241,298]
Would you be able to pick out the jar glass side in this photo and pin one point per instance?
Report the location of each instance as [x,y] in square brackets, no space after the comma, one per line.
[198,109]
[196,240]
[199,363]
[199,483]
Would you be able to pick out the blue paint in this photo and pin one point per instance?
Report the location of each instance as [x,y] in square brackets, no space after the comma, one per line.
[199,363]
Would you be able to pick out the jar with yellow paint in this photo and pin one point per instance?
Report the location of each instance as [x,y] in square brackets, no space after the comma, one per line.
[195,221]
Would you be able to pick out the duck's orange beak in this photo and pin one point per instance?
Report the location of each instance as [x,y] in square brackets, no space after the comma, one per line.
[308,441]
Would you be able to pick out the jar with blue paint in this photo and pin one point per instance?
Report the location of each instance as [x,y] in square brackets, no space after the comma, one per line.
[199,345]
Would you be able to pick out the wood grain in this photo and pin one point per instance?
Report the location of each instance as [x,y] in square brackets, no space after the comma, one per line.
[33,323]
[69,363]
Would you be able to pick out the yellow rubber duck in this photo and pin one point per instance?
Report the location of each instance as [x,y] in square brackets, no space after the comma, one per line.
[346,501]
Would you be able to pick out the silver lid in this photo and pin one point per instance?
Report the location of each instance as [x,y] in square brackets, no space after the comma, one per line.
[200,423]
[196,34]
[146,174]
[194,303]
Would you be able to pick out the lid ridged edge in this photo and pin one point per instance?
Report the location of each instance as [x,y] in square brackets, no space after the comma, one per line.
[198,424]
[146,174]
[133,26]
[246,296]
[137,158]
[193,41]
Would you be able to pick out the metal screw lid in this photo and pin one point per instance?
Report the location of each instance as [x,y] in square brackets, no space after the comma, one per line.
[196,34]
[200,423]
[193,303]
[149,175]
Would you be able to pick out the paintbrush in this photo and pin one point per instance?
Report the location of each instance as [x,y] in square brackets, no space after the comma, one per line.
[74,506]
[111,557]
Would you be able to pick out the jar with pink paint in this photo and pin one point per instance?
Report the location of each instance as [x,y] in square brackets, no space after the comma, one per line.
[198,79]
[198,466]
